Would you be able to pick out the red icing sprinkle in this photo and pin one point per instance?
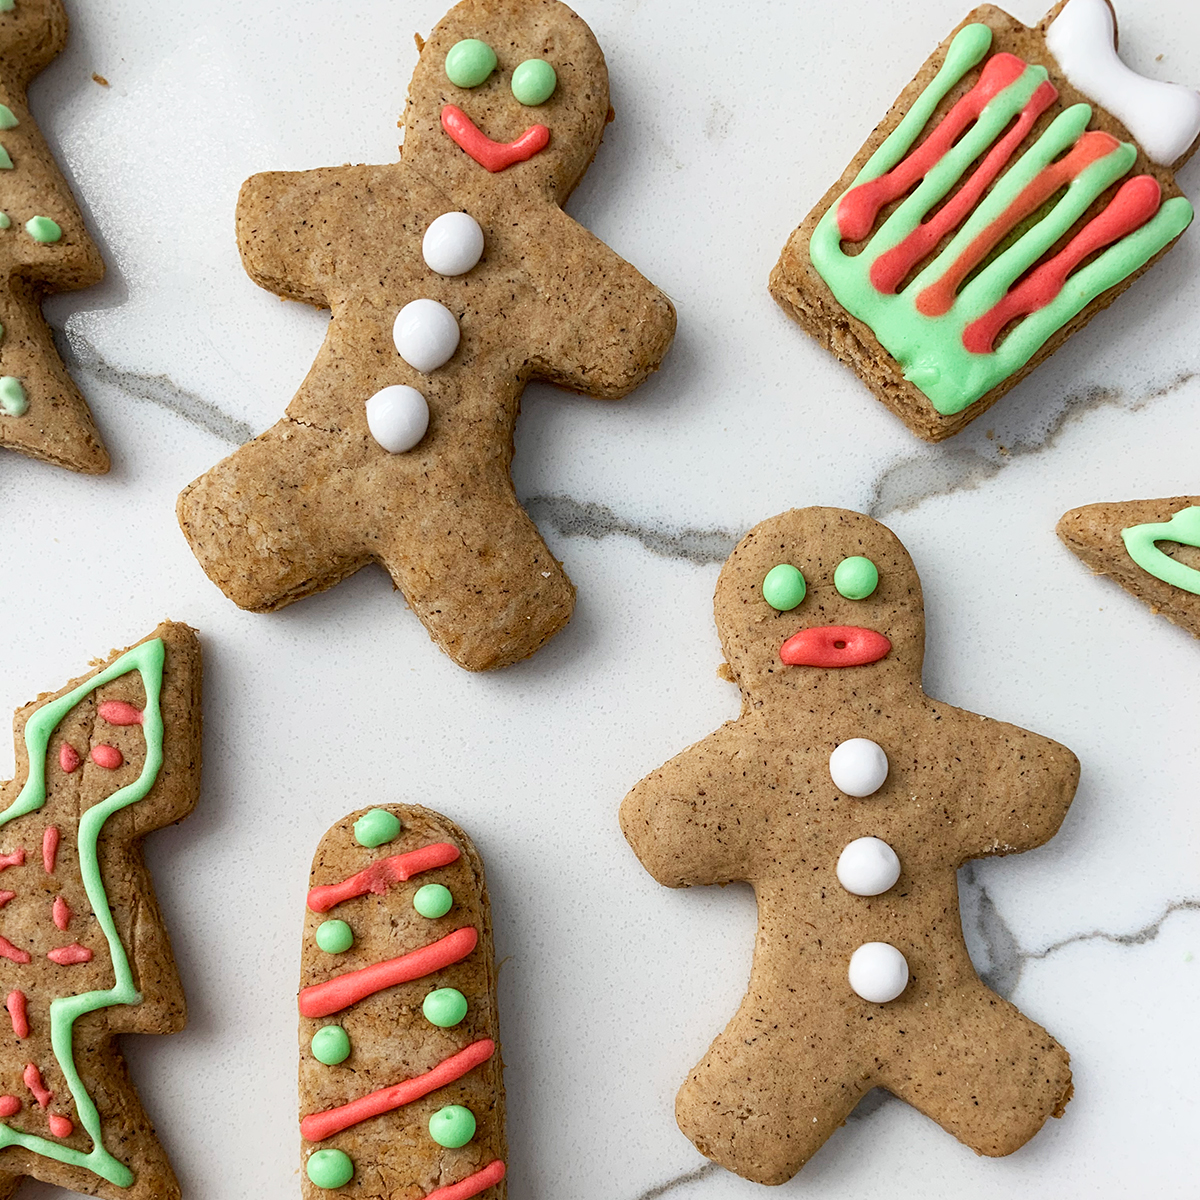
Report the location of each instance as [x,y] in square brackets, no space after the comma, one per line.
[9,951]
[60,910]
[5,897]
[318,1126]
[69,956]
[60,1126]
[18,1011]
[117,712]
[495,156]
[34,1082]
[50,841]
[834,646]
[341,991]
[9,1106]
[379,876]
[472,1185]
[68,758]
[15,859]
[106,756]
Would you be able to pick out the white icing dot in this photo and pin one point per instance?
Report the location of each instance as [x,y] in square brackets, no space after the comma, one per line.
[858,767]
[426,335]
[878,972]
[453,244]
[397,417]
[868,867]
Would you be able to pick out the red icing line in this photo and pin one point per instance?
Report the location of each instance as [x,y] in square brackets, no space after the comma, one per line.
[68,758]
[69,956]
[15,859]
[5,897]
[495,156]
[60,1127]
[341,991]
[9,951]
[860,206]
[472,1185]
[106,756]
[818,647]
[379,876]
[117,712]
[1136,202]
[316,1127]
[50,841]
[1091,147]
[34,1082]
[60,910]
[18,1011]
[890,268]
[9,1106]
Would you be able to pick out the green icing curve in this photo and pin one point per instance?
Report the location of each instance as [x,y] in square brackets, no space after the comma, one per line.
[1183,527]
[147,659]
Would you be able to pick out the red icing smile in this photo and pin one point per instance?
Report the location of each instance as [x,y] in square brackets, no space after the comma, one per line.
[834,646]
[495,156]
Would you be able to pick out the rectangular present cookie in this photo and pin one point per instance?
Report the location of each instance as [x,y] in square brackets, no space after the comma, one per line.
[1020,183]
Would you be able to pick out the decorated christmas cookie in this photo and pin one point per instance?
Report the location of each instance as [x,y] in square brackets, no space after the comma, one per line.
[848,798]
[1150,547]
[400,1074]
[84,955]
[44,247]
[454,278]
[1019,184]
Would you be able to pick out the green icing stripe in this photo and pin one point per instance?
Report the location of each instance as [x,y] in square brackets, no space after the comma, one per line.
[1183,527]
[147,659]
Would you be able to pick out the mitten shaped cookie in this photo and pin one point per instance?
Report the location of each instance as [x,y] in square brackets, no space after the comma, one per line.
[401,1094]
[848,798]
[454,278]
[44,247]
[1150,547]
[84,955]
[1020,183]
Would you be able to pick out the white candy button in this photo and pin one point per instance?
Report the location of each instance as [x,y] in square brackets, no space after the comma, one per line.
[426,335]
[397,417]
[453,244]
[878,972]
[858,767]
[868,867]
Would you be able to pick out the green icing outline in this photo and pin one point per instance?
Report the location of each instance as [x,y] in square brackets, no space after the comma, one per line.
[930,349]
[1183,527]
[148,660]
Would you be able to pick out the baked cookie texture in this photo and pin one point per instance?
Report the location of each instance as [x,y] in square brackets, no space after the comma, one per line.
[318,496]
[84,953]
[1044,176]
[399,1035]
[921,788]
[1163,534]
[44,247]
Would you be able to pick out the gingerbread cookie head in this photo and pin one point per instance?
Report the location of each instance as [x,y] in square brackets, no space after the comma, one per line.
[511,95]
[821,598]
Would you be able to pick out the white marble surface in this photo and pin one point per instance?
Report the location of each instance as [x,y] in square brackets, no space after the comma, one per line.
[728,128]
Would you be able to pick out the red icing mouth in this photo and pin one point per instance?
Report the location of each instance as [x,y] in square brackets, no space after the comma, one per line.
[834,646]
[495,156]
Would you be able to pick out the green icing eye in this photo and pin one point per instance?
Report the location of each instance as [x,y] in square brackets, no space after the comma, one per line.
[470,62]
[534,81]
[856,578]
[784,587]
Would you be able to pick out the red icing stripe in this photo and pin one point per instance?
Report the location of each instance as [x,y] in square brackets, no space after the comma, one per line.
[1091,147]
[60,910]
[495,156]
[34,1082]
[9,951]
[9,1106]
[18,1011]
[379,876]
[50,840]
[316,1127]
[472,1185]
[15,859]
[117,712]
[1136,202]
[860,206]
[5,897]
[341,991]
[69,956]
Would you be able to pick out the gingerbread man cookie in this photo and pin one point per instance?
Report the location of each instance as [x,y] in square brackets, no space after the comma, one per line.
[848,798]
[454,278]
[44,247]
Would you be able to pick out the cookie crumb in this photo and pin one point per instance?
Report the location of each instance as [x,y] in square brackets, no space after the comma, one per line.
[99,79]
[420,42]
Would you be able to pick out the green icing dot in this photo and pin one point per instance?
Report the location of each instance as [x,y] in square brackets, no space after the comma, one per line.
[7,118]
[13,400]
[784,587]
[433,900]
[469,63]
[330,1168]
[42,229]
[4,220]
[452,1126]
[331,1045]
[335,937]
[445,1007]
[856,578]
[534,81]
[376,827]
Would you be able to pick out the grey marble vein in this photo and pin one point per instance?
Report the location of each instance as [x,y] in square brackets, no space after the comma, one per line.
[665,1189]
